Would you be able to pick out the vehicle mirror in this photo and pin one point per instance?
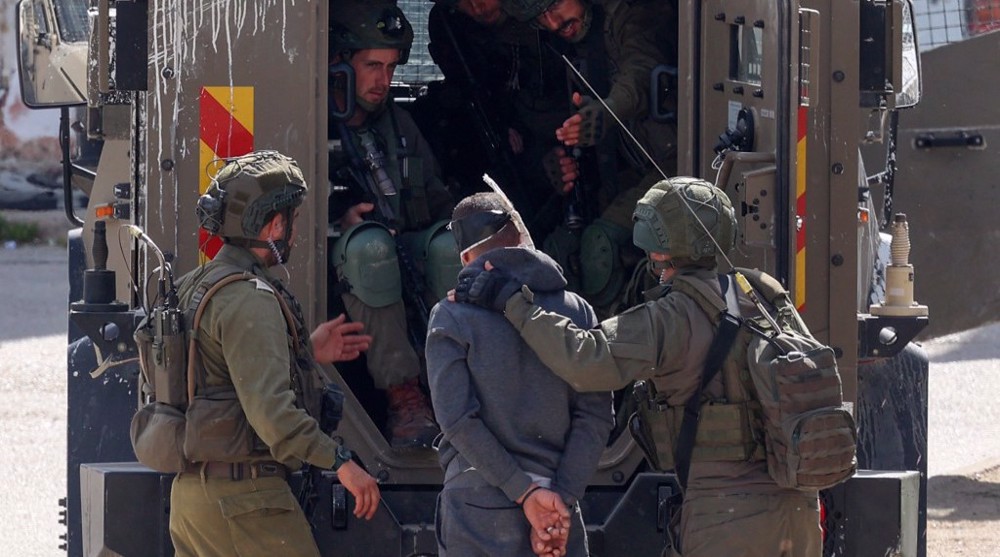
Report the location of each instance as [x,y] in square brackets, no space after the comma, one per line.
[908,89]
[52,72]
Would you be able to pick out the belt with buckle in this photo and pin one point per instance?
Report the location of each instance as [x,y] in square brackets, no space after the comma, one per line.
[237,471]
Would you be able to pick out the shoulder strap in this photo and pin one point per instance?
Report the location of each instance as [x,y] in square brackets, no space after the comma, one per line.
[729,325]
[200,301]
[706,298]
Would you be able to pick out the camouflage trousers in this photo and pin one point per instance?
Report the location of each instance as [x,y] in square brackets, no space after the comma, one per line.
[771,525]
[218,517]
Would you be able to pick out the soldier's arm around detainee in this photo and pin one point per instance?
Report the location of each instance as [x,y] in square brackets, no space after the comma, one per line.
[645,341]
[624,348]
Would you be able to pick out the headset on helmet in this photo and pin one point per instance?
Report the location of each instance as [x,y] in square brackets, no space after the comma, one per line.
[360,25]
[246,191]
[666,220]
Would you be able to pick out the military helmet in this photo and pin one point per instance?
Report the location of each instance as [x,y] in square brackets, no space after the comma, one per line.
[361,25]
[247,190]
[666,220]
[526,10]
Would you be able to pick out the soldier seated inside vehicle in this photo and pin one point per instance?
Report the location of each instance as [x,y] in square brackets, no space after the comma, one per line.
[393,257]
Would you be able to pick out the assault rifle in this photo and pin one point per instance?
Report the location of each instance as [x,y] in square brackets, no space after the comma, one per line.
[361,174]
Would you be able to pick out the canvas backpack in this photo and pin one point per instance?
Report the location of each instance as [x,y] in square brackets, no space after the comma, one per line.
[809,434]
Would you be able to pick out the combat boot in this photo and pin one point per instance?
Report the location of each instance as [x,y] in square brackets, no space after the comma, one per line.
[411,421]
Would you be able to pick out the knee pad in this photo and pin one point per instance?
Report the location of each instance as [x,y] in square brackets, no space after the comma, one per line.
[367,267]
[601,261]
[436,256]
[563,246]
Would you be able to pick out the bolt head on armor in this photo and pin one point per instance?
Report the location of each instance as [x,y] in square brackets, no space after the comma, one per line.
[666,220]
[361,25]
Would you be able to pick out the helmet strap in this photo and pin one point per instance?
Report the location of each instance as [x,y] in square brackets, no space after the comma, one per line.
[657,268]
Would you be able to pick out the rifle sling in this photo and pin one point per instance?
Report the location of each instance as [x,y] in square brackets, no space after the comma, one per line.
[729,325]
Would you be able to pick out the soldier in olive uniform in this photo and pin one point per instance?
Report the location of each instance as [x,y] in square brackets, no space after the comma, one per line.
[236,501]
[391,208]
[615,44]
[732,506]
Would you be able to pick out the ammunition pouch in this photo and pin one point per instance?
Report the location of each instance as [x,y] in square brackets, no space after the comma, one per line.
[726,432]
[217,428]
[332,408]
[414,195]
[367,264]
[157,434]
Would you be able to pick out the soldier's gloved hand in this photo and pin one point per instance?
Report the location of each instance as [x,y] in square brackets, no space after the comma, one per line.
[489,289]
[561,169]
[587,127]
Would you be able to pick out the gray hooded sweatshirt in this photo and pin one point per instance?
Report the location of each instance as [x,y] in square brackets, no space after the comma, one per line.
[503,414]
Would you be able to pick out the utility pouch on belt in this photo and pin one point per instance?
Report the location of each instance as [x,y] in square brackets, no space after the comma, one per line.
[649,427]
[332,408]
[157,433]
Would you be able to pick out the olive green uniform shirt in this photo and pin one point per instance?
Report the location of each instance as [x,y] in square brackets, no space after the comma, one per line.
[245,342]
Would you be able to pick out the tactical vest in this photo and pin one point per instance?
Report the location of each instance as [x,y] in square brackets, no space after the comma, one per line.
[183,419]
[398,159]
[783,400]
[730,428]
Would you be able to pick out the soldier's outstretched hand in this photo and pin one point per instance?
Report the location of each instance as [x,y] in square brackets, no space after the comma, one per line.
[339,341]
[362,486]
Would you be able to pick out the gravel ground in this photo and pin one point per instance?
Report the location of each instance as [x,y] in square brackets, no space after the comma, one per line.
[964,443]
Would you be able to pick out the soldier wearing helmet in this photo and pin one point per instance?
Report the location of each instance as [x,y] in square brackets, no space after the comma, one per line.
[731,504]
[616,44]
[390,206]
[253,418]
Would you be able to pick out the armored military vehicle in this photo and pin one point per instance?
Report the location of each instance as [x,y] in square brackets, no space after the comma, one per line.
[796,86]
